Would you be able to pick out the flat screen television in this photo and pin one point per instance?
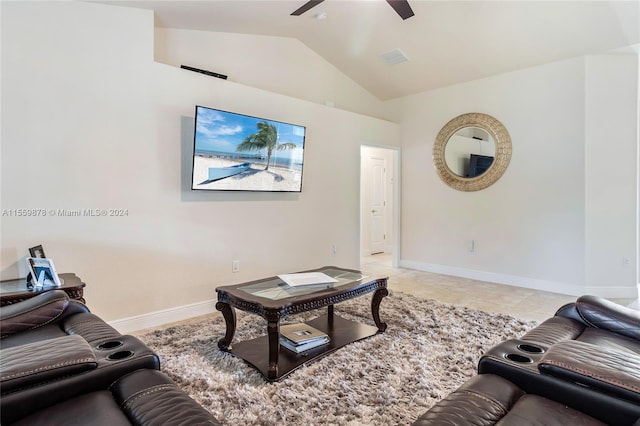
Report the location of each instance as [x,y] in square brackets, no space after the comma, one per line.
[478,164]
[237,152]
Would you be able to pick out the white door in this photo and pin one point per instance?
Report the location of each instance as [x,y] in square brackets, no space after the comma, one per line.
[377,206]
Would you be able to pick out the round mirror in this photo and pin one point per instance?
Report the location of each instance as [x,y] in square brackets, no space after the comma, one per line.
[472,151]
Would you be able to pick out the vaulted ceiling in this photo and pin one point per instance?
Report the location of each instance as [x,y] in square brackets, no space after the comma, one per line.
[446,42]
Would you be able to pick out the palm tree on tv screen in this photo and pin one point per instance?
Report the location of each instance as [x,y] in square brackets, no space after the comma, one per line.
[266,137]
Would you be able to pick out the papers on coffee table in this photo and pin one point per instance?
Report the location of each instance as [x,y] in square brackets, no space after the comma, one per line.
[307,278]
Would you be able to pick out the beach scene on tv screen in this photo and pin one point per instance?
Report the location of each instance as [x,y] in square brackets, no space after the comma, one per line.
[237,152]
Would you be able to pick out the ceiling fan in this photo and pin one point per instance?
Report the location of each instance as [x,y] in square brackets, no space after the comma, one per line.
[401,7]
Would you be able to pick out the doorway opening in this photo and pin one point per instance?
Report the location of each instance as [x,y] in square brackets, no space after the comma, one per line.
[380,204]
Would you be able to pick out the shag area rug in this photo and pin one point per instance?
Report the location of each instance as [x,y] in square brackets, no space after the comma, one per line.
[427,351]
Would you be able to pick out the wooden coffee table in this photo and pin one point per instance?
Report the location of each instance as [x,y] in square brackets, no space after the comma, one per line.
[274,300]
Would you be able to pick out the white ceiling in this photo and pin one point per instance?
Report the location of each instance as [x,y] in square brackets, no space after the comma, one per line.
[447,42]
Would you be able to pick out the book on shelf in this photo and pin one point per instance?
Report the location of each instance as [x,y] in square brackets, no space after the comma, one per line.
[307,278]
[301,332]
[43,272]
[302,347]
[301,337]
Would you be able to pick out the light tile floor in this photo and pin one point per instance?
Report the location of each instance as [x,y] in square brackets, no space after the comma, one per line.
[519,302]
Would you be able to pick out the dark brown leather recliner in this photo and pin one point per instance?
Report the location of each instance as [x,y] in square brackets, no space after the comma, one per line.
[143,397]
[48,315]
[586,356]
[487,399]
[53,349]
[582,366]
[60,365]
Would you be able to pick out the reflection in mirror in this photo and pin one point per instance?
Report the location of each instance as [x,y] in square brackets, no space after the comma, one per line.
[469,152]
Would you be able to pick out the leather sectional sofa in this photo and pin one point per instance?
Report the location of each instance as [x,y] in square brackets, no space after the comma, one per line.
[61,364]
[581,366]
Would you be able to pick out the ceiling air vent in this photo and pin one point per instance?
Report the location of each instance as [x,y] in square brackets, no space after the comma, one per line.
[394,57]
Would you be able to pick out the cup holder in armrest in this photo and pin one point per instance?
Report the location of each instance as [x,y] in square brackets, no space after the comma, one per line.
[514,359]
[532,349]
[519,358]
[116,356]
[110,344]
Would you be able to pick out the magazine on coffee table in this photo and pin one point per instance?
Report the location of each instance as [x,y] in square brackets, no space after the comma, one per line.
[303,346]
[301,332]
[307,278]
[301,337]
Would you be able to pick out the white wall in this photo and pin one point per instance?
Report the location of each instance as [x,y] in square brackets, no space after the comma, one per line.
[91,121]
[611,94]
[277,64]
[531,228]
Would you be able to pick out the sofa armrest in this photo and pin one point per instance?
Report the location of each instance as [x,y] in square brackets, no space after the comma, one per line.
[149,397]
[569,311]
[90,326]
[39,362]
[32,313]
[604,369]
[602,313]
[555,329]
[484,399]
[115,358]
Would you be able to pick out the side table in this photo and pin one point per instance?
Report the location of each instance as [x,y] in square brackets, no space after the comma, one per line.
[12,291]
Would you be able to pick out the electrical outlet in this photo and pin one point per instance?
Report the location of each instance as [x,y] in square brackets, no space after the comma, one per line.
[472,246]
[334,249]
[625,261]
[235,266]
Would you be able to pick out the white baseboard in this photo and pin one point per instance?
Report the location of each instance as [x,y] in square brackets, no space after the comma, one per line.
[167,316]
[517,281]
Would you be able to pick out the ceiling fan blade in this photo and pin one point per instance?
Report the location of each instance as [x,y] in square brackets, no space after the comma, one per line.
[402,8]
[308,5]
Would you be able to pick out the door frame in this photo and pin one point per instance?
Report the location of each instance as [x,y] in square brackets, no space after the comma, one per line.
[395,197]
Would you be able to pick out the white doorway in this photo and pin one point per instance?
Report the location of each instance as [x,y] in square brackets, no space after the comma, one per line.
[379,202]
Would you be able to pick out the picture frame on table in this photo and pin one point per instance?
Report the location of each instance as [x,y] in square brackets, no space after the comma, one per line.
[43,272]
[37,251]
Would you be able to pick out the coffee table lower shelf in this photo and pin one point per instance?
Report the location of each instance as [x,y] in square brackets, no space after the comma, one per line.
[340,331]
